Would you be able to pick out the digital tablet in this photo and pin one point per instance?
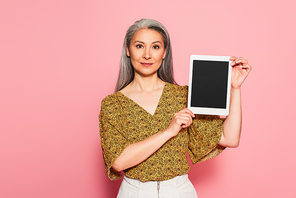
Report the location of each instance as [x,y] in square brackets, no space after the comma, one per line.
[209,84]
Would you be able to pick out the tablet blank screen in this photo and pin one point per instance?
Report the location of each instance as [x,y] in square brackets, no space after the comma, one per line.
[209,84]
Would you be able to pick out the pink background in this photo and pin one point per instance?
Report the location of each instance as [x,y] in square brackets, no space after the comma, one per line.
[59,59]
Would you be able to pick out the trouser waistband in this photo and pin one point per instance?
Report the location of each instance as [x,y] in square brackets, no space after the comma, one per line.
[164,185]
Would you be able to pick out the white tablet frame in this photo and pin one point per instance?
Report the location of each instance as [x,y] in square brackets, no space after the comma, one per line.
[203,110]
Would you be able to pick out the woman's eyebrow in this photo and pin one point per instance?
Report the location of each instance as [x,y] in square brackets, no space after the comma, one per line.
[144,42]
[157,42]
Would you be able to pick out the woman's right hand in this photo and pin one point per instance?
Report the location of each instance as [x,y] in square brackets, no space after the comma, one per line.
[180,120]
[140,151]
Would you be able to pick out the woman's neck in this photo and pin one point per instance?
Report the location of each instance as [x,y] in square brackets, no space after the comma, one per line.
[146,84]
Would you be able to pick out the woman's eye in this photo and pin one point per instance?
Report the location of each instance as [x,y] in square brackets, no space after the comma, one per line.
[139,46]
[155,47]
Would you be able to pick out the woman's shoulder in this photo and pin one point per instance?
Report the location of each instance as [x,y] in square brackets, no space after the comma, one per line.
[110,101]
[177,89]
[109,98]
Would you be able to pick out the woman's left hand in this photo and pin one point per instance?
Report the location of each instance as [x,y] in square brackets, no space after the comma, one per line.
[240,71]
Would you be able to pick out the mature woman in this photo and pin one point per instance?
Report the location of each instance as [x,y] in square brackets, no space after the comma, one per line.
[146,129]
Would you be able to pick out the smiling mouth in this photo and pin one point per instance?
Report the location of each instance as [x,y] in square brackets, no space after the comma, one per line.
[146,64]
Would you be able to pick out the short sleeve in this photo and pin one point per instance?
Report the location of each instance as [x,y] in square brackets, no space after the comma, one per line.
[204,136]
[113,140]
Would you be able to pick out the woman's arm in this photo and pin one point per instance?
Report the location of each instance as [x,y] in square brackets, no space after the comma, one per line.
[233,122]
[140,151]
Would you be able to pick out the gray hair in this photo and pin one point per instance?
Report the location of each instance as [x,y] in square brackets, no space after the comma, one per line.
[126,72]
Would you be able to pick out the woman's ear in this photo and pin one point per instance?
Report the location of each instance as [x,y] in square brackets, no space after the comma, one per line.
[164,54]
[127,52]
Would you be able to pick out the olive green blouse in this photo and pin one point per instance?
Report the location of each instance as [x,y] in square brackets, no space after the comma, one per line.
[124,122]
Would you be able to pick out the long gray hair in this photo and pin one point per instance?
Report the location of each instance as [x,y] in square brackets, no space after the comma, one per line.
[126,72]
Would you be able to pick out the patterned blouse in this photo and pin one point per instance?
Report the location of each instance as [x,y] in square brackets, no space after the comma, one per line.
[124,122]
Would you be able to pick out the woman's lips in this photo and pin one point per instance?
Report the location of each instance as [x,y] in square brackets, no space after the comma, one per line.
[146,64]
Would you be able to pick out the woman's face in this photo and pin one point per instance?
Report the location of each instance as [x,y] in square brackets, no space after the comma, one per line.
[146,52]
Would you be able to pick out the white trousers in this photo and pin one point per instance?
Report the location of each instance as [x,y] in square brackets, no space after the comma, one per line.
[178,187]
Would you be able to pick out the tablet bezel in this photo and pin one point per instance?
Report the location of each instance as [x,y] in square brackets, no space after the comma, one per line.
[209,110]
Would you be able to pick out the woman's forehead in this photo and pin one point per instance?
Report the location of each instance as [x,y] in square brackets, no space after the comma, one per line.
[147,35]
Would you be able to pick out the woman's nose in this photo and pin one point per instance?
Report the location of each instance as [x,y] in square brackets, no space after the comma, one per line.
[146,54]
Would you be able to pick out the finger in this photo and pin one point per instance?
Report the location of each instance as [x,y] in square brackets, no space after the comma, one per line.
[247,66]
[183,117]
[186,110]
[239,62]
[232,58]
[185,123]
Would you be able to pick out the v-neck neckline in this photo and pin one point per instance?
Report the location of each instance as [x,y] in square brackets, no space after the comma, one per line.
[157,107]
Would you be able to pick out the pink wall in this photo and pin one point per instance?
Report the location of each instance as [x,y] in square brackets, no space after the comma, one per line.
[60,58]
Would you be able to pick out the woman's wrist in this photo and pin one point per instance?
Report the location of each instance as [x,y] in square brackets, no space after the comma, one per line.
[235,90]
[167,134]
